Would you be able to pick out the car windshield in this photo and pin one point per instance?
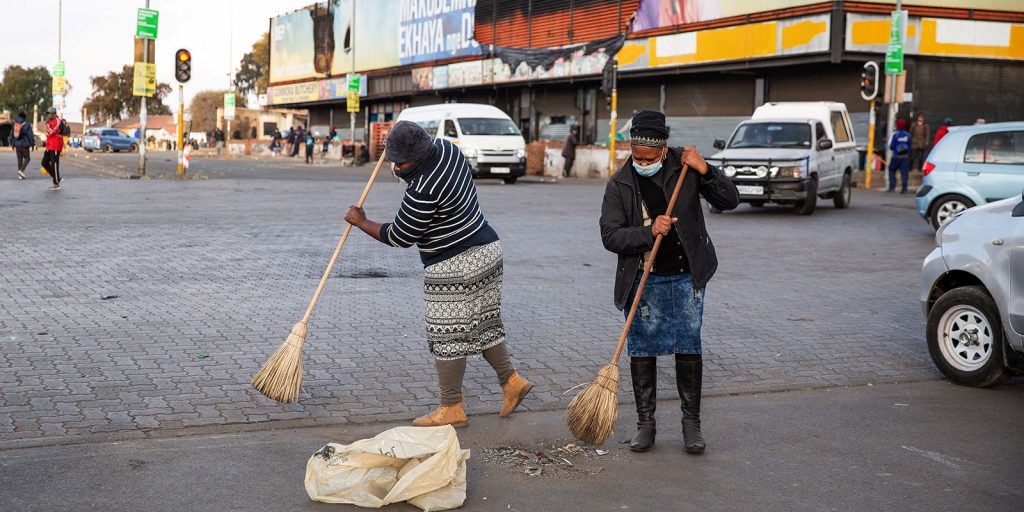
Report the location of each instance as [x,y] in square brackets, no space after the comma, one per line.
[487,126]
[772,135]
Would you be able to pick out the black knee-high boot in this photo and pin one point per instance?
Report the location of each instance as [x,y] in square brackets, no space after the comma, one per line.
[689,375]
[644,372]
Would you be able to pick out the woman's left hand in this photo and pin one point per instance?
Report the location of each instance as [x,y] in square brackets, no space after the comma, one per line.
[692,158]
[355,215]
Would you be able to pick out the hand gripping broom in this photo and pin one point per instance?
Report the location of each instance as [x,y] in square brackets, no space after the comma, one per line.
[281,377]
[591,415]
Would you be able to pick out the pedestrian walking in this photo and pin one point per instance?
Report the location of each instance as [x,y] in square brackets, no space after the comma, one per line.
[569,151]
[920,134]
[462,261]
[900,144]
[942,131]
[54,147]
[310,142]
[633,214]
[218,138]
[23,140]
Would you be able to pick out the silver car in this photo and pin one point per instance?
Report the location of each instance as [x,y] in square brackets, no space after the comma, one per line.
[972,290]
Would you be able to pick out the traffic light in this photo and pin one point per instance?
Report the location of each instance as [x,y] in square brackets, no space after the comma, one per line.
[608,77]
[869,81]
[183,65]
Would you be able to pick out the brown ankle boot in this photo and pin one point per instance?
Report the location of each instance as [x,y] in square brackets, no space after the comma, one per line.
[515,390]
[444,415]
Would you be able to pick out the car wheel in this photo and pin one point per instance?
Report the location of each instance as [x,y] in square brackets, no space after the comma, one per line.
[965,338]
[948,207]
[807,205]
[133,148]
[841,199]
[511,180]
[107,148]
[88,151]
[757,204]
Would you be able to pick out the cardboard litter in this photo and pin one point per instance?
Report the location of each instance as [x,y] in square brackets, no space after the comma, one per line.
[425,467]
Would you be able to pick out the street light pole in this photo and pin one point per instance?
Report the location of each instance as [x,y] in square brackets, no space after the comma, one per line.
[352,115]
[890,124]
[142,112]
[60,37]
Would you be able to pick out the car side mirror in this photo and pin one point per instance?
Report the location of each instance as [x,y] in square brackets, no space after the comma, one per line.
[719,144]
[824,144]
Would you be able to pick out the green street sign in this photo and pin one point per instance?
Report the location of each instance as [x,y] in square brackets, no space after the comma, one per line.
[58,69]
[894,50]
[146,23]
[353,82]
[229,105]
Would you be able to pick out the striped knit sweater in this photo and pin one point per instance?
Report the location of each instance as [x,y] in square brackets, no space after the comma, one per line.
[440,212]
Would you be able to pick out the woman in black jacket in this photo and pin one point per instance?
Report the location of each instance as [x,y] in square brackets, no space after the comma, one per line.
[668,319]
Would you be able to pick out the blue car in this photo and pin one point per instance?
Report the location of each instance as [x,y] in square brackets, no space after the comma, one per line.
[971,165]
[107,140]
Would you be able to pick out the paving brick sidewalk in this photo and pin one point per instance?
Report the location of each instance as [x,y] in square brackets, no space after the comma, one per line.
[212,274]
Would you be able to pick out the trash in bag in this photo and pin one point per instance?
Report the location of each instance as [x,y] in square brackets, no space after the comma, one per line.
[423,466]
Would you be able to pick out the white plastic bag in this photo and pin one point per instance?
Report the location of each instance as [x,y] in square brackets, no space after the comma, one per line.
[421,465]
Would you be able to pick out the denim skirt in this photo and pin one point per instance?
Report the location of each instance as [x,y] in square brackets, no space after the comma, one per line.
[668,319]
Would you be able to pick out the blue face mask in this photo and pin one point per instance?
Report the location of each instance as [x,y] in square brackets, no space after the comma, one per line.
[647,170]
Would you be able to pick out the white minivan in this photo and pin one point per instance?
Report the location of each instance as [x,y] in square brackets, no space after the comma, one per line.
[488,138]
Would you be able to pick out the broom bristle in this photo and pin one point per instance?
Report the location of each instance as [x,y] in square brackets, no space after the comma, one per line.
[281,377]
[591,415]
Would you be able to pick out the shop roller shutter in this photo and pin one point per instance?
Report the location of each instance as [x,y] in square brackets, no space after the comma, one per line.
[547,23]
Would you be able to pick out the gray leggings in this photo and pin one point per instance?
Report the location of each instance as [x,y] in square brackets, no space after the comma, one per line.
[450,373]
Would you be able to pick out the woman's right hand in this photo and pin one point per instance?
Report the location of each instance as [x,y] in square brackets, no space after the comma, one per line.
[662,225]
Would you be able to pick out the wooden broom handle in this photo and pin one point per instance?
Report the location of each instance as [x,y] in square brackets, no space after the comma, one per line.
[647,269]
[337,250]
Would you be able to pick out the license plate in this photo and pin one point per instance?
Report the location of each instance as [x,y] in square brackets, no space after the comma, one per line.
[750,190]
[501,170]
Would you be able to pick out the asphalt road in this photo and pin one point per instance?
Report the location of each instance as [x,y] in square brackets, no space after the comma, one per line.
[929,446]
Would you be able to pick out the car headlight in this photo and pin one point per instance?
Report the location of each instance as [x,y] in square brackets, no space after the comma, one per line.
[520,153]
[794,171]
[729,171]
[469,152]
[761,171]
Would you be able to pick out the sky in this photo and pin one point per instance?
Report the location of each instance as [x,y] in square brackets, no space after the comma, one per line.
[98,37]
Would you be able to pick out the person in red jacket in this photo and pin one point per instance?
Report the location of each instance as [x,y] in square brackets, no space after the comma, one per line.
[54,146]
[942,131]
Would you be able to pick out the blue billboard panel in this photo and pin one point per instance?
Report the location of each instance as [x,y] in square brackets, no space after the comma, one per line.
[432,30]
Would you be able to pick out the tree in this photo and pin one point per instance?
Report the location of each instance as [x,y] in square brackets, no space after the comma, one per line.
[254,70]
[204,108]
[24,88]
[112,96]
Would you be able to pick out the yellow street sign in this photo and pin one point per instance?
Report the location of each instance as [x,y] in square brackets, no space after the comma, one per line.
[144,80]
[60,85]
[352,101]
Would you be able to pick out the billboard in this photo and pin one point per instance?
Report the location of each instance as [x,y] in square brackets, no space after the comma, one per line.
[316,41]
[651,14]
[431,31]
[938,37]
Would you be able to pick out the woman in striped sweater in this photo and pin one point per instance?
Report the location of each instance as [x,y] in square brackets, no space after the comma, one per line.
[463,270]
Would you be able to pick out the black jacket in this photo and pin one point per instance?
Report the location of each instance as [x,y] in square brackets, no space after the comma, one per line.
[623,233]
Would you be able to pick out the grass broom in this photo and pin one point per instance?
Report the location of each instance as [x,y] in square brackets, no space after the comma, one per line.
[591,414]
[281,377]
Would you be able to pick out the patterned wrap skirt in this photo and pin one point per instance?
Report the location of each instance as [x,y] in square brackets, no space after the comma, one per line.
[463,303]
[668,318]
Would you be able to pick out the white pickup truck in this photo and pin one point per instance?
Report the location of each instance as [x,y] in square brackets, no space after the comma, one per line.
[792,153]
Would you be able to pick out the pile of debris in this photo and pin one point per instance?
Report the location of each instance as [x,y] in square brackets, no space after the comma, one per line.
[550,459]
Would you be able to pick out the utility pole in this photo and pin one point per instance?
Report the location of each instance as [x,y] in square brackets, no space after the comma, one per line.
[60,37]
[231,83]
[142,112]
[895,38]
[352,115]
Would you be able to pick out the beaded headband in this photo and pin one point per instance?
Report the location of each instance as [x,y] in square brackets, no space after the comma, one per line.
[651,142]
